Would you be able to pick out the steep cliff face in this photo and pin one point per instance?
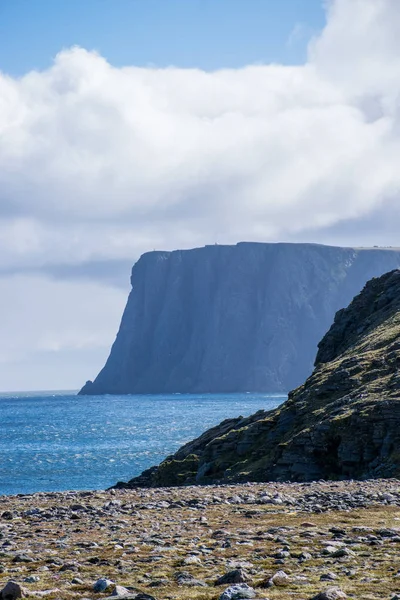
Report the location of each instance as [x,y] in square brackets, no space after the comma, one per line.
[344,422]
[232,318]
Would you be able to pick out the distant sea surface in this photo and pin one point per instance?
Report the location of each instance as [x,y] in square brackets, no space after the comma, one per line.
[53,441]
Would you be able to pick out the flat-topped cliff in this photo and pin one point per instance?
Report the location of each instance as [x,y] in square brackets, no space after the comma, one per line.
[343,422]
[232,318]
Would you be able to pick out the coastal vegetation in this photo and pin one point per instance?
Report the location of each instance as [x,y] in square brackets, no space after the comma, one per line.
[343,422]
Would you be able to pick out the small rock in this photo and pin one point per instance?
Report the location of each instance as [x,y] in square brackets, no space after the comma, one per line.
[102,584]
[342,552]
[328,576]
[187,579]
[43,593]
[11,591]
[22,558]
[191,560]
[120,591]
[32,579]
[69,567]
[235,576]
[332,593]
[282,554]
[280,579]
[301,580]
[159,582]
[329,550]
[235,592]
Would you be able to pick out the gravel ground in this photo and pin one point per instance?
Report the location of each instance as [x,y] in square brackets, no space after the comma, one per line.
[329,540]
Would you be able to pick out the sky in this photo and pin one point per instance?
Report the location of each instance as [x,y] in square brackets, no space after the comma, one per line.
[133,125]
[202,34]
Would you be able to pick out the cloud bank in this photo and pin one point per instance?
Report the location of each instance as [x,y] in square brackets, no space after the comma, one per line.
[100,163]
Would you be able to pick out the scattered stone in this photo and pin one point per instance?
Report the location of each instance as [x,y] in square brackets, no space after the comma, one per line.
[11,591]
[187,579]
[235,576]
[158,539]
[342,552]
[280,579]
[69,567]
[191,560]
[236,592]
[22,558]
[102,585]
[120,592]
[328,576]
[332,593]
[43,593]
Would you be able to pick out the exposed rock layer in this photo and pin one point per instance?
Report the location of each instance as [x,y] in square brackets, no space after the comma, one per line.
[344,422]
[232,318]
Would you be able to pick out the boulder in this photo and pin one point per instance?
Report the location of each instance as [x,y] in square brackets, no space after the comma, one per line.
[234,576]
[236,592]
[11,591]
[332,593]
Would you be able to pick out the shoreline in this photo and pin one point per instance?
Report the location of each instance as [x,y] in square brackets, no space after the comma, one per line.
[296,486]
[340,533]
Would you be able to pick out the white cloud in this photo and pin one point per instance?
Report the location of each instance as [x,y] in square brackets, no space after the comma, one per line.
[359,49]
[144,150]
[98,162]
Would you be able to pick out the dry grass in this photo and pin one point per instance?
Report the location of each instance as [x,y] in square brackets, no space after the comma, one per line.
[146,548]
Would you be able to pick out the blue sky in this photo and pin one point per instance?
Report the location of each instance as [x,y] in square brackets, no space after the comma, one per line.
[208,34]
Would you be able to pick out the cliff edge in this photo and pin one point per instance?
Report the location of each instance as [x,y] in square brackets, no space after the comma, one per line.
[232,318]
[343,422]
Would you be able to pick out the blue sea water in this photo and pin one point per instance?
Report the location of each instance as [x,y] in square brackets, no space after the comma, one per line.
[53,441]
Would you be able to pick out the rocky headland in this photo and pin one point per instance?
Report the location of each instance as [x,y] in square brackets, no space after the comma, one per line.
[343,422]
[232,318]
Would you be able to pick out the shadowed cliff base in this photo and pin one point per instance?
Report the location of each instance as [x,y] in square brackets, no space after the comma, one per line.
[232,318]
[343,422]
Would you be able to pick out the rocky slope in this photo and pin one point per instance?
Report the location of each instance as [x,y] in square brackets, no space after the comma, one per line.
[232,318]
[344,422]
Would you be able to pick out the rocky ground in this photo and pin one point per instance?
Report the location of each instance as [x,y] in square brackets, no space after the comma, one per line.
[329,540]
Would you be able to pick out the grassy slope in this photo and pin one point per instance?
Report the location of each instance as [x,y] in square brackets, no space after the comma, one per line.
[343,422]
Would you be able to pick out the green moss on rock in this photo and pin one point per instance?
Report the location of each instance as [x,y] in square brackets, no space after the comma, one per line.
[343,422]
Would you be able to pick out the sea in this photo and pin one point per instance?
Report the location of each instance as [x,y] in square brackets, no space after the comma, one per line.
[55,441]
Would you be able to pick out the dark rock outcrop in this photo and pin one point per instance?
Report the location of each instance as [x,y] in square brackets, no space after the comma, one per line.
[343,422]
[232,318]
